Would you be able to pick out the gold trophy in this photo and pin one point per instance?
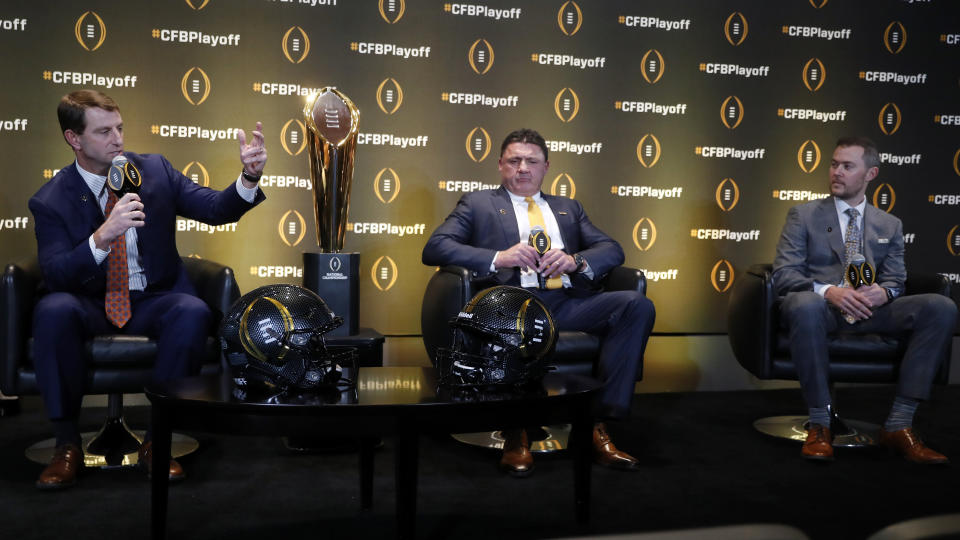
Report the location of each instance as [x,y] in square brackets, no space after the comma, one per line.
[332,126]
[332,122]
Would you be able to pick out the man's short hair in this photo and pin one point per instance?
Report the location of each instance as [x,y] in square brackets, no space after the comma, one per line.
[73,108]
[871,156]
[524,135]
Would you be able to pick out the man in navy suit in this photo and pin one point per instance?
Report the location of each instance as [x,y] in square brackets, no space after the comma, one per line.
[74,241]
[817,243]
[488,233]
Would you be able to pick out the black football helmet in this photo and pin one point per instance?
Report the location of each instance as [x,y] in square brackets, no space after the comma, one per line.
[501,337]
[274,336]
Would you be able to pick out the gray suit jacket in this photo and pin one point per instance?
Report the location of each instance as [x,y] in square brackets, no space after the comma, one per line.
[811,247]
[484,222]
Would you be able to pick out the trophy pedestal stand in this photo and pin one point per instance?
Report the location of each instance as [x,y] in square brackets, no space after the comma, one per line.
[336,278]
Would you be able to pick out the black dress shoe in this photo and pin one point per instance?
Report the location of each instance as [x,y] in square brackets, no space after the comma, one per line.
[62,471]
[145,460]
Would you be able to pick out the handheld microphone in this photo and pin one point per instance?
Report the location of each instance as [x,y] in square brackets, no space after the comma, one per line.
[123,176]
[540,242]
[860,272]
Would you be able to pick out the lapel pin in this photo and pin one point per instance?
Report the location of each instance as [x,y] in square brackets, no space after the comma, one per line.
[829,229]
[502,211]
[83,198]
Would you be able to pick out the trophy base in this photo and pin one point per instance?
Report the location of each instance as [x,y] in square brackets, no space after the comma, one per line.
[336,278]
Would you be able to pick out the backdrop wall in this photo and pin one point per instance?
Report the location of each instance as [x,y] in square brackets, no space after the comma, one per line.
[686,128]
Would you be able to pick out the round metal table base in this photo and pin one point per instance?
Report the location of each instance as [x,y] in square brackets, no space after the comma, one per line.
[42,452]
[545,439]
[851,433]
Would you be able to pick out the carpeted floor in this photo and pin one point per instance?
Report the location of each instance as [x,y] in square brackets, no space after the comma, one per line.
[703,465]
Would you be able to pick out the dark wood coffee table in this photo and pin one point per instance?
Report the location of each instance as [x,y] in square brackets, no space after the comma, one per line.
[399,402]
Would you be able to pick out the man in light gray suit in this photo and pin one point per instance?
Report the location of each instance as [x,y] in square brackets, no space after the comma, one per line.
[818,241]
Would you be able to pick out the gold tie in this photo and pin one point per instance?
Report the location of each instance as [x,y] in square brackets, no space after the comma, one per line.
[536,218]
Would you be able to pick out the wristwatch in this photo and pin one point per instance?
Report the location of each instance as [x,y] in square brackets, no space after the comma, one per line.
[250,177]
[890,296]
[581,263]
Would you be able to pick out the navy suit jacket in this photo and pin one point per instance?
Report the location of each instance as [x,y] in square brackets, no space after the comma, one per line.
[66,213]
[484,222]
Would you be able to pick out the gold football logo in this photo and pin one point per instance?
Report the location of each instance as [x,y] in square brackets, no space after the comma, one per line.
[731,112]
[481,56]
[953,241]
[478,144]
[814,73]
[644,234]
[570,18]
[721,277]
[648,150]
[296,47]
[889,119]
[90,33]
[387,182]
[652,66]
[895,37]
[563,186]
[735,28]
[818,3]
[728,194]
[197,5]
[292,228]
[384,273]
[566,105]
[956,163]
[195,86]
[200,177]
[389,95]
[293,137]
[808,156]
[392,10]
[884,197]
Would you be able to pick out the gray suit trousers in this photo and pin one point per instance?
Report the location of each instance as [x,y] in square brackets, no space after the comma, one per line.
[928,320]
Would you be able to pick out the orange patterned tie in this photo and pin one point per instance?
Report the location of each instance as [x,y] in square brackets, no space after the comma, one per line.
[117,301]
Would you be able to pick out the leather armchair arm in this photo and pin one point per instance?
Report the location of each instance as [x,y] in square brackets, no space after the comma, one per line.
[624,278]
[752,320]
[448,290]
[18,293]
[215,283]
[927,282]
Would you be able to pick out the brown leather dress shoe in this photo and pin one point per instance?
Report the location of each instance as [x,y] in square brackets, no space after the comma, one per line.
[819,444]
[145,460]
[517,461]
[606,454]
[62,471]
[905,442]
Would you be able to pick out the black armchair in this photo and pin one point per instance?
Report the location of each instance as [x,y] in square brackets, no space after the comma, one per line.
[118,363]
[451,287]
[762,347]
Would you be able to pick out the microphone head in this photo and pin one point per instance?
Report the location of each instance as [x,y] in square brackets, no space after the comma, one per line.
[120,160]
[539,239]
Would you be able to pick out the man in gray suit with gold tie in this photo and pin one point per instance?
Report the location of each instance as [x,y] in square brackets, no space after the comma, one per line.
[818,241]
